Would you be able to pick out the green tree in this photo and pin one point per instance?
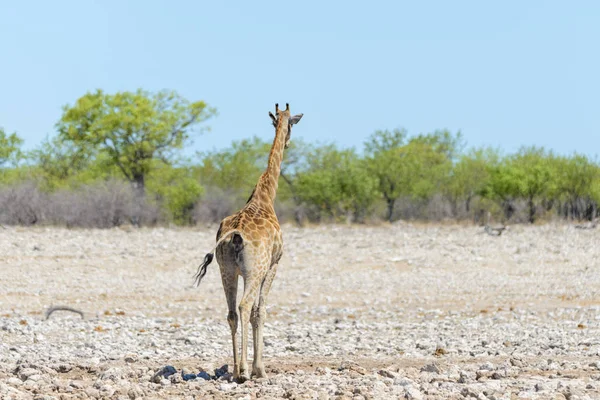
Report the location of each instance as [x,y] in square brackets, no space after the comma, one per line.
[337,184]
[577,183]
[529,174]
[425,169]
[176,190]
[59,161]
[10,148]
[383,140]
[385,163]
[295,162]
[133,129]
[443,142]
[236,168]
[414,169]
[470,176]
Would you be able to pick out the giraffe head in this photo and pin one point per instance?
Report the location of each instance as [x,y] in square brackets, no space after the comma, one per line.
[284,120]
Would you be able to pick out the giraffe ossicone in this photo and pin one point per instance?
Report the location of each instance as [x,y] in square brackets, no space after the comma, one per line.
[250,245]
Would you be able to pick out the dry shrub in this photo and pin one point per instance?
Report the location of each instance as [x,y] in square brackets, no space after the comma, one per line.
[103,205]
[22,204]
[215,205]
[288,211]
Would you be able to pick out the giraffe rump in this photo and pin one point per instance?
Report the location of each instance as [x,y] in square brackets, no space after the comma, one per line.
[202,269]
[209,257]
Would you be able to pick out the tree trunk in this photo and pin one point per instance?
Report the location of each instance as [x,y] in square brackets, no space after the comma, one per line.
[139,193]
[590,209]
[453,206]
[139,186]
[508,208]
[531,210]
[390,209]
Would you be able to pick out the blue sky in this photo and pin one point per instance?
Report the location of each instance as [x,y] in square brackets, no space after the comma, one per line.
[506,73]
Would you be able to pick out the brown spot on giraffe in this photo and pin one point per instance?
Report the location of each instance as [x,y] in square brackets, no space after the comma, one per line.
[250,244]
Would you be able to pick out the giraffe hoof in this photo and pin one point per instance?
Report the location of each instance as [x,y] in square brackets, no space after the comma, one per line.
[242,377]
[259,373]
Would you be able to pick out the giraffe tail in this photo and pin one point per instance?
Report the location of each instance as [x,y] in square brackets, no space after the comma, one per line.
[209,257]
[202,269]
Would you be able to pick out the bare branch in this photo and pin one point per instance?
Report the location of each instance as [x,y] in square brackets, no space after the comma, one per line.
[63,308]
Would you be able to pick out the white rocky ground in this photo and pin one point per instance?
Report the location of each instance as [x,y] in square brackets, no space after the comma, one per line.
[396,311]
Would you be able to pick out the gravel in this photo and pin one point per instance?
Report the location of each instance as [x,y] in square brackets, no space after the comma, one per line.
[356,312]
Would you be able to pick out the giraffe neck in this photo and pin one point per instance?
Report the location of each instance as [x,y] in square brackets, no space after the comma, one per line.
[266,189]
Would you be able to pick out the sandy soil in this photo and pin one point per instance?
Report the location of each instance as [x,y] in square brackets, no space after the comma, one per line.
[395,311]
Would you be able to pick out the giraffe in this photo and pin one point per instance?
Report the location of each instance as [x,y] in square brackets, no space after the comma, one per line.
[250,245]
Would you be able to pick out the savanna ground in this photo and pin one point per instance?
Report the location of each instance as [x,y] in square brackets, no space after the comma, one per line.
[393,311]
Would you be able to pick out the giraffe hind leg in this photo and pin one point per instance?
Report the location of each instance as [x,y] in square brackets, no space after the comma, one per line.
[253,271]
[260,315]
[229,277]
[251,288]
[232,319]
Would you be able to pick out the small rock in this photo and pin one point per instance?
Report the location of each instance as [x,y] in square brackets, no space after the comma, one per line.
[499,374]
[167,382]
[483,374]
[25,373]
[92,392]
[188,377]
[107,391]
[225,387]
[164,372]
[412,393]
[135,393]
[403,382]
[131,358]
[192,340]
[488,366]
[35,378]
[516,362]
[77,384]
[227,377]
[14,381]
[62,368]
[204,375]
[323,395]
[323,371]
[431,368]
[113,374]
[469,392]
[219,372]
[386,374]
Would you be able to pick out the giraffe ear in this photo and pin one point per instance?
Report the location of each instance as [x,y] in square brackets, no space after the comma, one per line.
[273,118]
[295,119]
